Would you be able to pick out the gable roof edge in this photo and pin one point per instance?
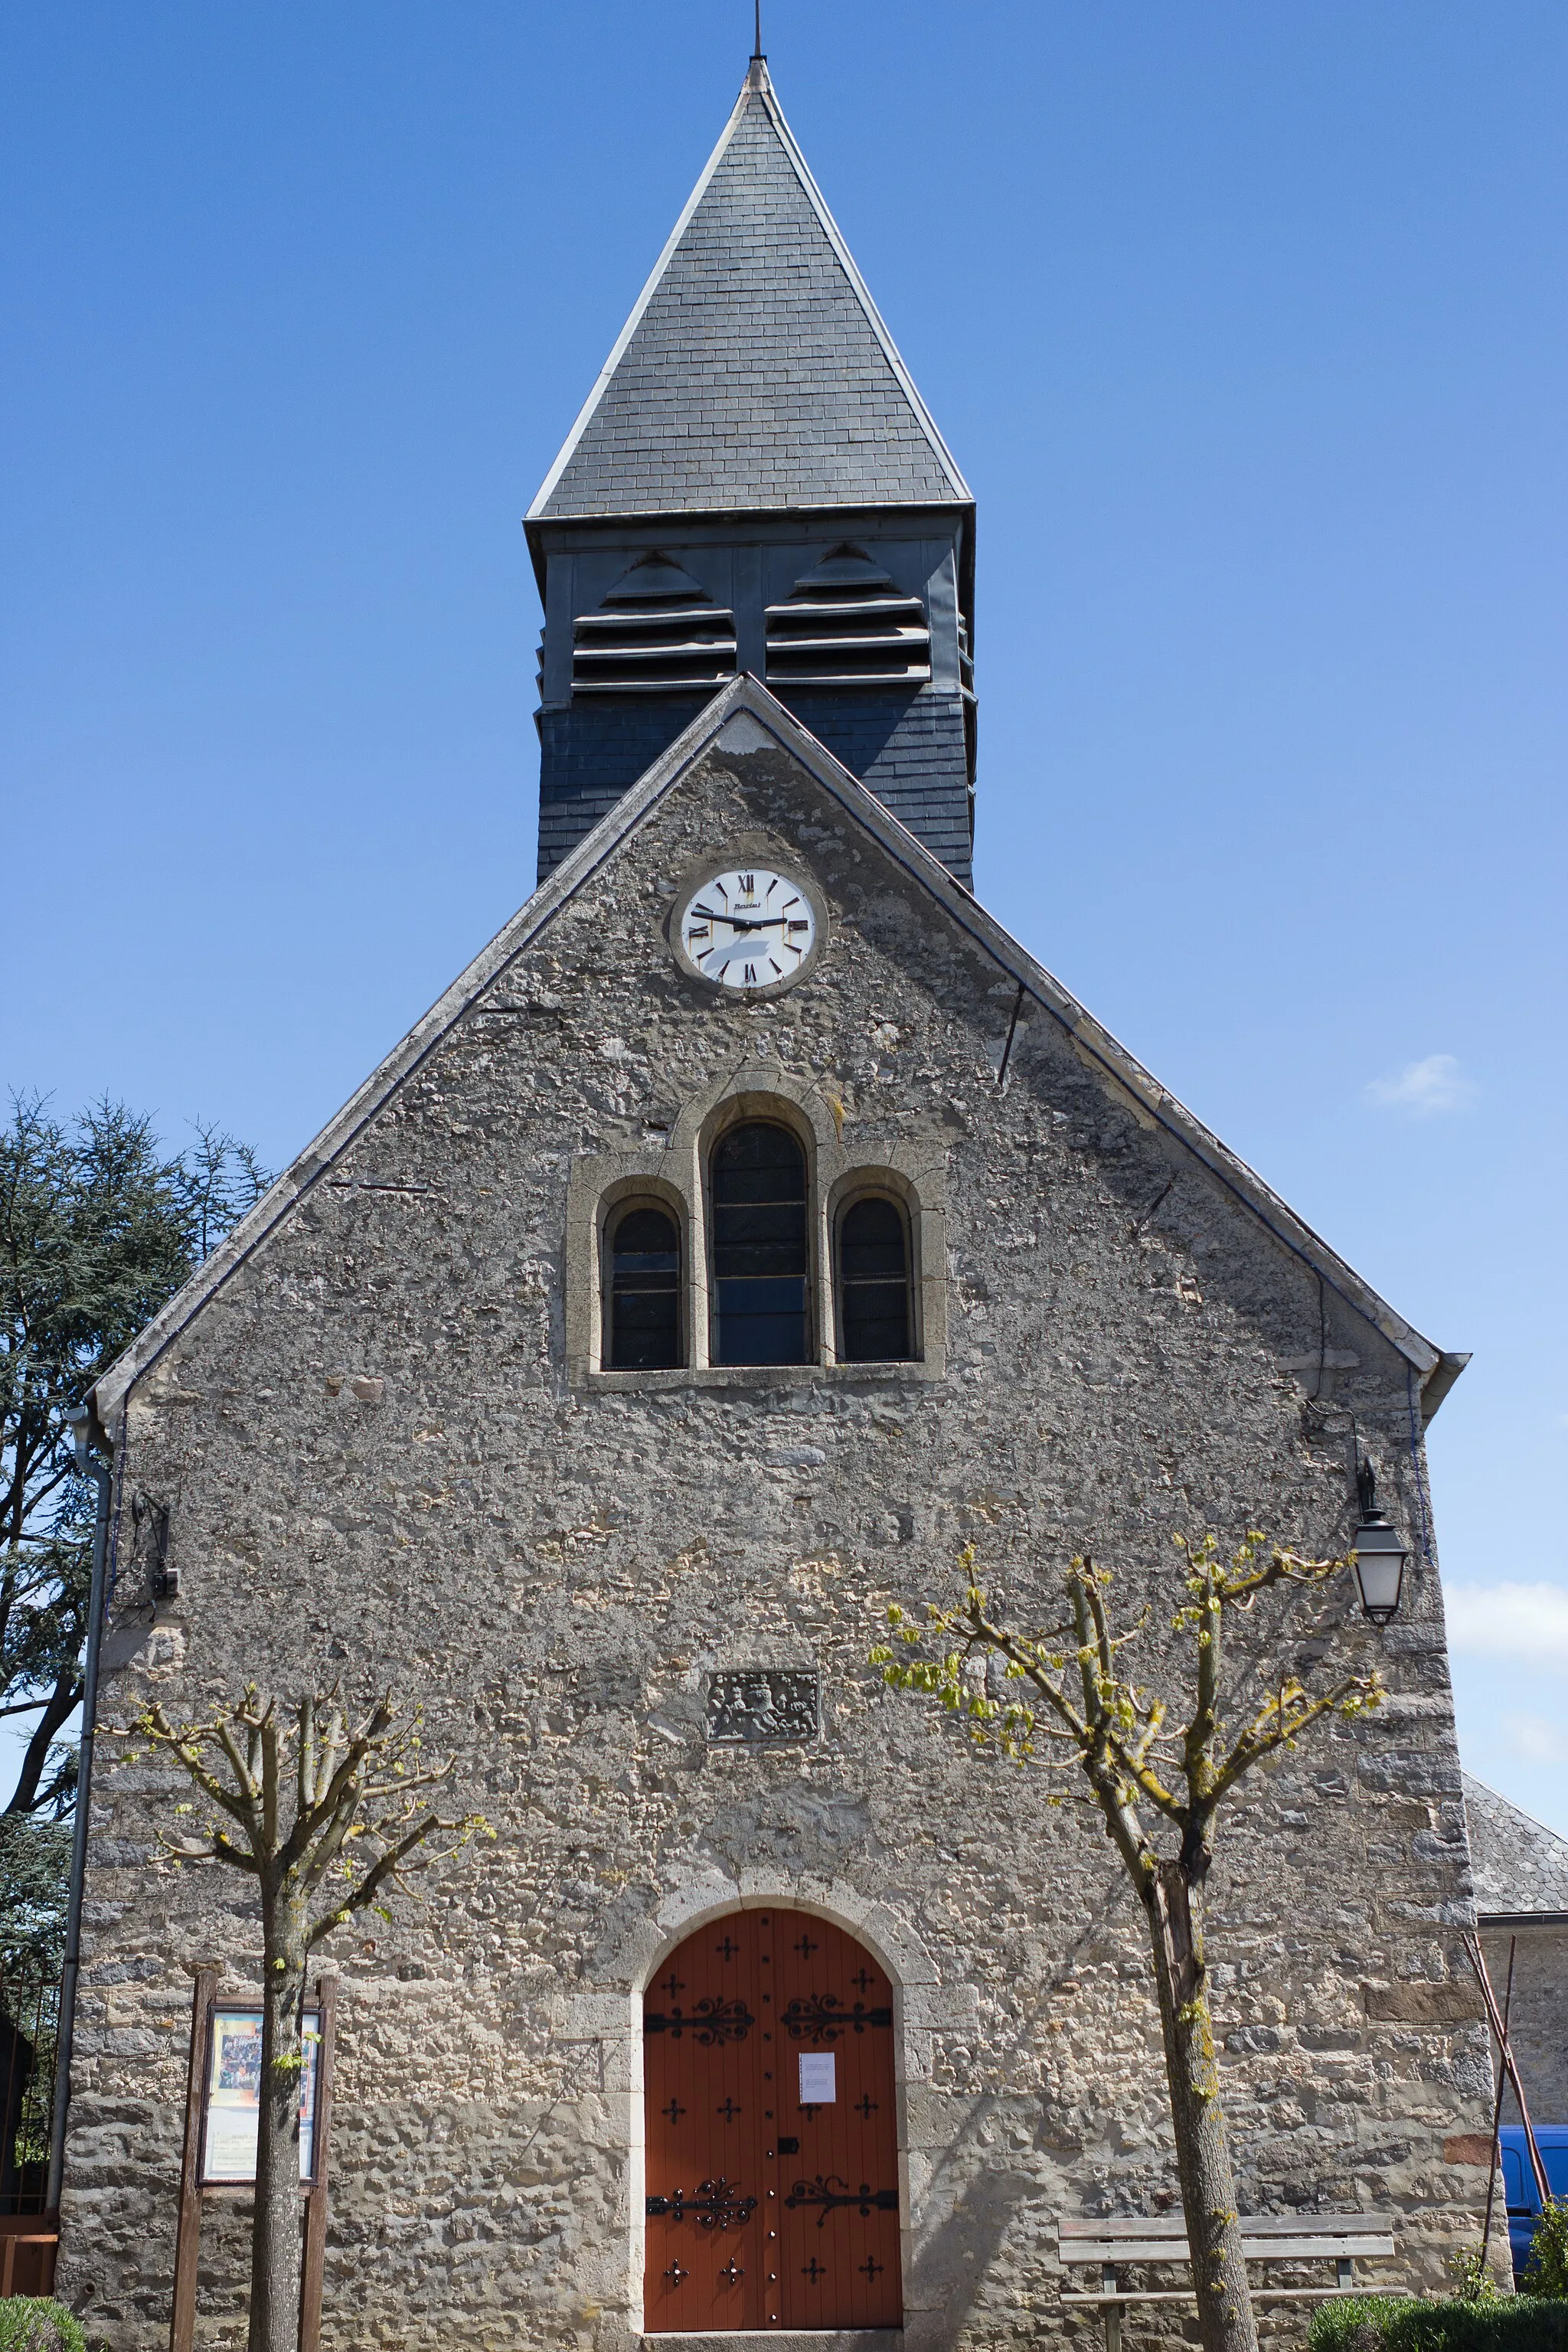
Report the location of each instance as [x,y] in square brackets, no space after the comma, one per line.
[1435,1369]
[862,292]
[602,382]
[309,1166]
[1122,1067]
[1515,1807]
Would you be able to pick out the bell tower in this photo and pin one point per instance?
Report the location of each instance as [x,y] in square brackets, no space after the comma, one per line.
[755,484]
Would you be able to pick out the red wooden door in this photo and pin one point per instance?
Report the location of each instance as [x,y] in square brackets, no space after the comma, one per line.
[772,2132]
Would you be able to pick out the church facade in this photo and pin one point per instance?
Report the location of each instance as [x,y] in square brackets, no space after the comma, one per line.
[751,1227]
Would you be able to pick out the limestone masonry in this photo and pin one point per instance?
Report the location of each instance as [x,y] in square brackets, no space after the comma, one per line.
[381,1463]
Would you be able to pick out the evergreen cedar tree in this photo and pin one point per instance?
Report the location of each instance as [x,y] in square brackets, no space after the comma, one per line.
[99,1227]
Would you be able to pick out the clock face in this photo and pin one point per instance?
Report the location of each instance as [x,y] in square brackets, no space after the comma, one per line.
[748,929]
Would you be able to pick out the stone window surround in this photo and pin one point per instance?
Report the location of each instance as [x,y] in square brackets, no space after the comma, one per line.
[924,2011]
[673,1173]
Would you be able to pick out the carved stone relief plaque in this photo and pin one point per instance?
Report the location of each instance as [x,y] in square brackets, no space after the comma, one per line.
[764,1707]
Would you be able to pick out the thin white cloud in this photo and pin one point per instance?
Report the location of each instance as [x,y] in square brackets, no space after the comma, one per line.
[1543,1743]
[1436,1084]
[1508,1621]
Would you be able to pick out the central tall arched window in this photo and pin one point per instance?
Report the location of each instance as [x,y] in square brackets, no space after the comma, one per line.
[760,1253]
[644,1291]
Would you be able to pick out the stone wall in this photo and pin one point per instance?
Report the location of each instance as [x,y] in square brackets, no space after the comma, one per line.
[379,1468]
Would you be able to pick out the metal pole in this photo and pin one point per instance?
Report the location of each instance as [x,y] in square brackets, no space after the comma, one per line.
[320,2159]
[1496,2109]
[1477,1961]
[104,1477]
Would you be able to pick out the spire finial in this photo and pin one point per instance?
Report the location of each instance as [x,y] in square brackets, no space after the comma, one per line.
[757,71]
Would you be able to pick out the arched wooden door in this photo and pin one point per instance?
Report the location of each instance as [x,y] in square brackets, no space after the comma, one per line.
[772,2131]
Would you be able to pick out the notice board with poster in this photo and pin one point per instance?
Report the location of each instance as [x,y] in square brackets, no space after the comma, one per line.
[223,2115]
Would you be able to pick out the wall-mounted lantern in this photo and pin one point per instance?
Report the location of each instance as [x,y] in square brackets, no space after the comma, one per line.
[1379,1557]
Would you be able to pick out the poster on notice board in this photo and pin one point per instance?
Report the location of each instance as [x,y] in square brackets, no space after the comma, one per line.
[234,2096]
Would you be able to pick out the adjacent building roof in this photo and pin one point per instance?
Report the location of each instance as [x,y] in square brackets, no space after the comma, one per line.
[1520,1865]
[754,372]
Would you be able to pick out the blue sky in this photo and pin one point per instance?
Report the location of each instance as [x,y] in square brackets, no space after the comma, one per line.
[1247,324]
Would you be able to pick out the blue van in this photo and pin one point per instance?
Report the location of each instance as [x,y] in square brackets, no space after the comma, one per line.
[1519,2183]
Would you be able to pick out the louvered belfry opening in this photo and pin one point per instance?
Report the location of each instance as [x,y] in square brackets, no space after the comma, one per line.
[657,631]
[847,625]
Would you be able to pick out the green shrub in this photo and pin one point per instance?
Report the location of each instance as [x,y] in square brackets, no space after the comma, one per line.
[1398,2322]
[1474,2280]
[29,2324]
[1548,2271]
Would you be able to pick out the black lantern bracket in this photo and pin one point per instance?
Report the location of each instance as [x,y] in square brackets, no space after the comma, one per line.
[150,1519]
[1380,1553]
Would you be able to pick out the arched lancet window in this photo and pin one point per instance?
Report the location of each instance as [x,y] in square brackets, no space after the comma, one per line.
[643,1320]
[874,1284]
[760,1260]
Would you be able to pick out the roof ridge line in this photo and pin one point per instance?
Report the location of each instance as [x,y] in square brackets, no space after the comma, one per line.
[602,382]
[859,287]
[1513,1805]
[326,1147]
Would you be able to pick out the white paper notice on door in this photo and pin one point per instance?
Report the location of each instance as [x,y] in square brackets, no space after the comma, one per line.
[817,2078]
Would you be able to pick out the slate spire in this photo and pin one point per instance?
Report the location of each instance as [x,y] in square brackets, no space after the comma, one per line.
[755,484]
[755,371]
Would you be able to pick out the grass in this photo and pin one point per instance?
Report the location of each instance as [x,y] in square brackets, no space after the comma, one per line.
[34,2323]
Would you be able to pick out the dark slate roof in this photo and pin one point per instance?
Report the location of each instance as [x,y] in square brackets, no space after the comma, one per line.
[754,372]
[1518,1863]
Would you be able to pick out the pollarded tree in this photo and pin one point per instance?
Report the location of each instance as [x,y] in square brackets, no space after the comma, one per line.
[1158,1789]
[326,1816]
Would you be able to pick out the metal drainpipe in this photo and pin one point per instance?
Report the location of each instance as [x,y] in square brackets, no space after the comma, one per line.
[104,1477]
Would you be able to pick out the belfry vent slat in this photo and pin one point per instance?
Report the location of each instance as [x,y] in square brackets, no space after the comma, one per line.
[656,632]
[847,624]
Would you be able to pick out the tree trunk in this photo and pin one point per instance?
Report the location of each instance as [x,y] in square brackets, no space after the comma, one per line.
[275,2245]
[1203,2160]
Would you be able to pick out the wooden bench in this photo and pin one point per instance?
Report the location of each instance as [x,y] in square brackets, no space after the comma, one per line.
[31,2272]
[1113,2241]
